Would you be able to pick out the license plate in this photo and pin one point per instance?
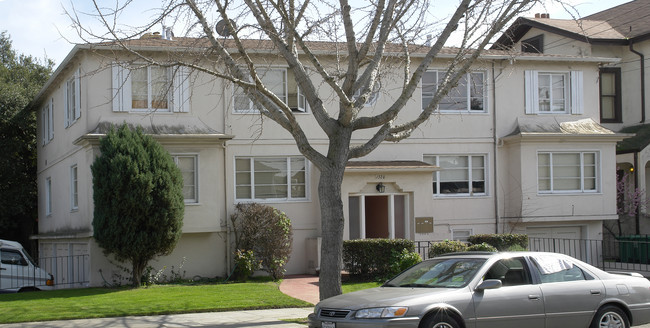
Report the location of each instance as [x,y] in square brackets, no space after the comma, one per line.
[327,324]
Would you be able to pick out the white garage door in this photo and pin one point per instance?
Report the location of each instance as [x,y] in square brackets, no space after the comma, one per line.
[571,232]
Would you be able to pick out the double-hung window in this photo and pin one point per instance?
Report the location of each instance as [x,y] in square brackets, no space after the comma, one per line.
[610,95]
[459,175]
[188,164]
[270,178]
[469,95]
[74,189]
[47,122]
[72,99]
[554,92]
[567,172]
[149,88]
[280,82]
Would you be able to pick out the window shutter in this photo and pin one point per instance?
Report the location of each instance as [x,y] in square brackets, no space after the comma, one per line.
[181,90]
[577,91]
[77,94]
[121,88]
[66,113]
[531,92]
[50,122]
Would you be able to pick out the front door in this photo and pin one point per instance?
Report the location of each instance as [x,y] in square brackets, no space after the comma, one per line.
[378,216]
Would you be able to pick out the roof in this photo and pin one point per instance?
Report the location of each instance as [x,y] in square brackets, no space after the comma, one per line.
[557,127]
[623,24]
[636,143]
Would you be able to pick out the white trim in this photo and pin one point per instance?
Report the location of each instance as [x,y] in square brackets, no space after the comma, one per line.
[468,76]
[597,172]
[48,196]
[195,156]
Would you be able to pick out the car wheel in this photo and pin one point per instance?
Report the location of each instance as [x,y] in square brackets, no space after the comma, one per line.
[440,320]
[610,317]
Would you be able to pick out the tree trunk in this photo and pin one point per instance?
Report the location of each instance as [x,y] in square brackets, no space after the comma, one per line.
[332,223]
[138,269]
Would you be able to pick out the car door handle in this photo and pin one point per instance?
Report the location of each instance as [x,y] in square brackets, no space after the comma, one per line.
[533,297]
[595,292]
[3,269]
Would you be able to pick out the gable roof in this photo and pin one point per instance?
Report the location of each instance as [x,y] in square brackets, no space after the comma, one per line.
[623,24]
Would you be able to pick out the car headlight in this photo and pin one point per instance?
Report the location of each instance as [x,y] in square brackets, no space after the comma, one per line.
[386,312]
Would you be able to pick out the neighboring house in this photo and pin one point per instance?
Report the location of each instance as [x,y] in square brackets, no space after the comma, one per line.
[621,32]
[497,157]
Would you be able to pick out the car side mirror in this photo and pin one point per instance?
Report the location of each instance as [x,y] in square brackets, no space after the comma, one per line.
[489,284]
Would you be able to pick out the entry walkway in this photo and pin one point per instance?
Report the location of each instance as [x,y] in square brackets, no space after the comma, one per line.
[302,287]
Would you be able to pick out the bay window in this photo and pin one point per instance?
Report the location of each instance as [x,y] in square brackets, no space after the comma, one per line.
[460,175]
[560,172]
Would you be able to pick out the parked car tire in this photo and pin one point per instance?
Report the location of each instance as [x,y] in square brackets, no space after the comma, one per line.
[440,320]
[610,316]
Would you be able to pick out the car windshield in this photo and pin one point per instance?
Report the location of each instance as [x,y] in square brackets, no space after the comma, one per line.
[442,272]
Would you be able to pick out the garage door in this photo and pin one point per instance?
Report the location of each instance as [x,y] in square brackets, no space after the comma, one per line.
[565,240]
[572,232]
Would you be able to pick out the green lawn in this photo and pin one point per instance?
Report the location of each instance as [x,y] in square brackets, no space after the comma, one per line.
[162,299]
[159,299]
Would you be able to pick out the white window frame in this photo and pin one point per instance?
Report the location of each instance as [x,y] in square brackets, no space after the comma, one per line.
[301,101]
[195,158]
[435,160]
[582,177]
[178,93]
[374,95]
[467,95]
[74,188]
[253,185]
[48,196]
[150,92]
[47,122]
[574,89]
[72,99]
[469,232]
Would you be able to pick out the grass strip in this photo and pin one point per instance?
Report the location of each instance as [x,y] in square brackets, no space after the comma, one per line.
[154,300]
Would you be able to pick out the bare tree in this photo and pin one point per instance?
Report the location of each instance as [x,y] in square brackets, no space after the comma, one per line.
[366,41]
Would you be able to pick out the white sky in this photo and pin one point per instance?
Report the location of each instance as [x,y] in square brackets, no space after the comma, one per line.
[40,27]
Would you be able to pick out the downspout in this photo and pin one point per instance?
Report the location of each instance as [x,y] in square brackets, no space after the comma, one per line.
[636,154]
[642,70]
[636,184]
[494,151]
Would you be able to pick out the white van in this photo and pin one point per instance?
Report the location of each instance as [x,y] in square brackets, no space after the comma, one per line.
[18,272]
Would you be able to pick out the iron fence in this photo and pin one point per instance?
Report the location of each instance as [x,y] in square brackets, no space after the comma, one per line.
[626,253]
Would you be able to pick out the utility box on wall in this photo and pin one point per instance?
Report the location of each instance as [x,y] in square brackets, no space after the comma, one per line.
[424,225]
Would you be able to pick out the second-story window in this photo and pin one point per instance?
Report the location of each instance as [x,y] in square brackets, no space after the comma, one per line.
[72,99]
[150,88]
[281,82]
[610,95]
[553,92]
[47,122]
[469,95]
[459,175]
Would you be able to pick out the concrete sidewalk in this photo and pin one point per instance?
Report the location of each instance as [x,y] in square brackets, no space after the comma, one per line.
[249,318]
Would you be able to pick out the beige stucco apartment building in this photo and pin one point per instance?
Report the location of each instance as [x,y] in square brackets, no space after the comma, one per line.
[511,153]
[621,32]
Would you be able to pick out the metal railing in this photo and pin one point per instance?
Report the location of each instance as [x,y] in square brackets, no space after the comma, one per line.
[631,253]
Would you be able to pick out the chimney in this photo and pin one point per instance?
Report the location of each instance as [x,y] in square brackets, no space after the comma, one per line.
[537,15]
[546,16]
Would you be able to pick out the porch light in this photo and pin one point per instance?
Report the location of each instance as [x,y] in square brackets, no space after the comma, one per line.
[381,188]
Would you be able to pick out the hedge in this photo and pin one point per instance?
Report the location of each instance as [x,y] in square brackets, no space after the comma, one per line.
[502,242]
[374,259]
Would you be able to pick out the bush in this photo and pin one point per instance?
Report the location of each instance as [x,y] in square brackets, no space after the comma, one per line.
[403,260]
[447,246]
[245,265]
[483,247]
[501,241]
[265,231]
[367,258]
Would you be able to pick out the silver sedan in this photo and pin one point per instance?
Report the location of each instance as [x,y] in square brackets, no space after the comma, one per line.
[485,290]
